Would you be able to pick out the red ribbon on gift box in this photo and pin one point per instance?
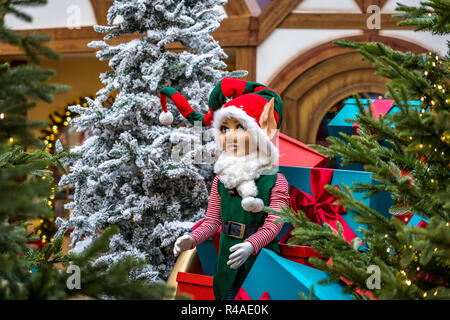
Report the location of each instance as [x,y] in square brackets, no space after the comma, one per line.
[243,295]
[379,107]
[320,207]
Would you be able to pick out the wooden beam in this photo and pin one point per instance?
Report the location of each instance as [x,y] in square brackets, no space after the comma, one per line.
[237,31]
[338,21]
[253,7]
[101,10]
[246,60]
[237,8]
[233,32]
[273,15]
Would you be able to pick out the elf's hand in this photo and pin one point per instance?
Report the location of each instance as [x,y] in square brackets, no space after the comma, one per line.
[183,243]
[241,252]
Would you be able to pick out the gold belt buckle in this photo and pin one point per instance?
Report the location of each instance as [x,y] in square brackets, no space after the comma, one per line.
[241,233]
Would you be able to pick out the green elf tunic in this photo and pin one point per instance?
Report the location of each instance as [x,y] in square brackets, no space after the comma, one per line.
[231,210]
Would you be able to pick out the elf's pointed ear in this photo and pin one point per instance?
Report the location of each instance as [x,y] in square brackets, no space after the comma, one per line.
[267,119]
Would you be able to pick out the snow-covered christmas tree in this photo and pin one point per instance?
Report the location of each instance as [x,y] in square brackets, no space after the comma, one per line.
[124,172]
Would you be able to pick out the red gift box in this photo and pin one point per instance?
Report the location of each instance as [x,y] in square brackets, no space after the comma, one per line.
[199,286]
[404,218]
[296,253]
[297,154]
[301,254]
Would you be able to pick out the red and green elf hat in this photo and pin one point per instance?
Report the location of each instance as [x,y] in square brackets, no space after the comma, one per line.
[251,97]
[247,105]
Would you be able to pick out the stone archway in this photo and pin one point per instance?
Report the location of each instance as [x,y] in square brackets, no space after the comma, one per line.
[316,80]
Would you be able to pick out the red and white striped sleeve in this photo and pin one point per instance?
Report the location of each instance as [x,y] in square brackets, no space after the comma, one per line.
[213,219]
[269,230]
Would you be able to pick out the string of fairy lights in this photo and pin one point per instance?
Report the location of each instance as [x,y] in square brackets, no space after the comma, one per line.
[434,98]
[57,122]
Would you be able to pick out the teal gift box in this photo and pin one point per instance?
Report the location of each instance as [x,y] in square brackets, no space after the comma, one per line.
[301,179]
[284,229]
[350,110]
[207,251]
[283,279]
[417,221]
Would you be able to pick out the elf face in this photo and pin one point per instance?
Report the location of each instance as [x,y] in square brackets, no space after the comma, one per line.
[234,138]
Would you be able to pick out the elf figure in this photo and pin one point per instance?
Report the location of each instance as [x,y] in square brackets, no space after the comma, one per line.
[245,179]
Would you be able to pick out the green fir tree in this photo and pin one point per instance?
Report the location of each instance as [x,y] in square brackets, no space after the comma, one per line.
[26,183]
[412,164]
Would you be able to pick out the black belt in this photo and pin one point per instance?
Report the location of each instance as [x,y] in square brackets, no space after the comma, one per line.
[239,230]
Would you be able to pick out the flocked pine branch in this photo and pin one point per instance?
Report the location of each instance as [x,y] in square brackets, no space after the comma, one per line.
[126,172]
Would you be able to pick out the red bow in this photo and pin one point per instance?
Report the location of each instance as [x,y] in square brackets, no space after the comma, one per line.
[319,207]
[243,295]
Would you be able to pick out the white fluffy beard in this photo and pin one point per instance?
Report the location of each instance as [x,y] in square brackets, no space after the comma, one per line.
[241,173]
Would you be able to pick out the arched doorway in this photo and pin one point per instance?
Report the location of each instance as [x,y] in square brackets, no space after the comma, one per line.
[316,80]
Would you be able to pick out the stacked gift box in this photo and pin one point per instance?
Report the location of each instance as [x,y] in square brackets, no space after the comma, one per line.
[379,107]
[291,269]
[349,111]
[417,221]
[278,278]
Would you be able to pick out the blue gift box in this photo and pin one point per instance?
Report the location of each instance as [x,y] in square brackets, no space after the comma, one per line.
[349,111]
[207,253]
[283,231]
[207,256]
[284,279]
[417,221]
[300,178]
[207,250]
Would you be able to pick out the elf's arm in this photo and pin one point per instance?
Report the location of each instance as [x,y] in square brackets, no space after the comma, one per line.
[269,230]
[213,219]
